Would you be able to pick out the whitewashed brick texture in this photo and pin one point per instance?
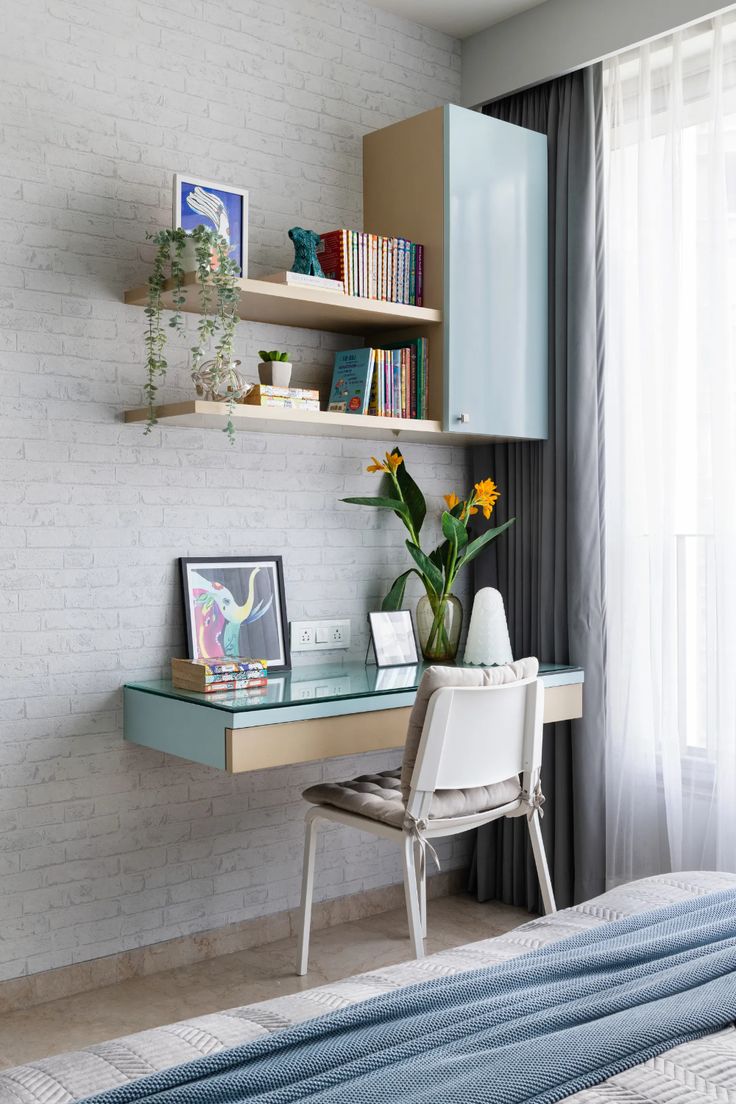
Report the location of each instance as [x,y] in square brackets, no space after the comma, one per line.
[104,846]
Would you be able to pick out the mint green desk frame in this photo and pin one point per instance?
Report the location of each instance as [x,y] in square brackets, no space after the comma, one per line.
[310,713]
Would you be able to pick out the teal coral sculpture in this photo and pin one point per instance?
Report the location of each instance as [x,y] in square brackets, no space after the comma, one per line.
[305,251]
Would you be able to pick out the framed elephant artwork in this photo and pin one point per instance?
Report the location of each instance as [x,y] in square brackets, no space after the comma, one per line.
[236,606]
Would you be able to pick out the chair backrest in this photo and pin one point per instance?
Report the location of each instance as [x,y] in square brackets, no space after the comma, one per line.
[476,736]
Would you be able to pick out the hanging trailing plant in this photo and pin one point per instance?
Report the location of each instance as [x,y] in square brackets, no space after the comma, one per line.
[216,277]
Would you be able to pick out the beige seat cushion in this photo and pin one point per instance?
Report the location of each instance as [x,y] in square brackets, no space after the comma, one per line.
[378,797]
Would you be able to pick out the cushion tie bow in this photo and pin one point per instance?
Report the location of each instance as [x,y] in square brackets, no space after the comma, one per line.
[534,800]
[416,827]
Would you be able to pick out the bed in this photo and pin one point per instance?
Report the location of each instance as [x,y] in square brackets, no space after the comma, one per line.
[698,1070]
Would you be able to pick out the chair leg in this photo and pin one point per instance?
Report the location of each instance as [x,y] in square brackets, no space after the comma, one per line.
[305,911]
[412,897]
[421,870]
[540,860]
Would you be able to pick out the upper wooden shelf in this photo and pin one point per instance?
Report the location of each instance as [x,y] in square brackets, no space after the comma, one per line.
[308,308]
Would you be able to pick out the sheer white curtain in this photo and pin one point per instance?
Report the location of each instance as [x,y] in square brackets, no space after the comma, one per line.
[670,426]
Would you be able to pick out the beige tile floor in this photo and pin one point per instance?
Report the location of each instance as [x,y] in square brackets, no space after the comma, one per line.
[240,978]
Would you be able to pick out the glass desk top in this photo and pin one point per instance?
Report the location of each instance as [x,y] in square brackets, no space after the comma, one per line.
[329,683]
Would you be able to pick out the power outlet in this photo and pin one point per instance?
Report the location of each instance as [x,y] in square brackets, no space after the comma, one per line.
[319,636]
[302,635]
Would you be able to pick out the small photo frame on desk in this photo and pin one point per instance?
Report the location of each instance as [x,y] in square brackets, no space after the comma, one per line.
[236,606]
[392,635]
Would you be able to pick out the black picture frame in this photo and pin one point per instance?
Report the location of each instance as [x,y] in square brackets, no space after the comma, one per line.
[210,633]
[384,657]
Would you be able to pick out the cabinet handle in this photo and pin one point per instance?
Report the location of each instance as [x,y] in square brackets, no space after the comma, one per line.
[464,418]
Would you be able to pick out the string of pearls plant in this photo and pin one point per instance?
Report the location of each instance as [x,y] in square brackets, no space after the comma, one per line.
[216,279]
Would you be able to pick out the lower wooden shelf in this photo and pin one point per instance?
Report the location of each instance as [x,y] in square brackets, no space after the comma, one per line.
[324,423]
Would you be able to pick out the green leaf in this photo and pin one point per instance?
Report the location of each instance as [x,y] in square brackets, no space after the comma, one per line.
[399,508]
[454,530]
[394,600]
[389,488]
[413,497]
[439,555]
[479,543]
[432,574]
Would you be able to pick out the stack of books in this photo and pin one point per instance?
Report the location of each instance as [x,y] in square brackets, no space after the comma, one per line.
[211,676]
[283,398]
[301,279]
[374,267]
[389,381]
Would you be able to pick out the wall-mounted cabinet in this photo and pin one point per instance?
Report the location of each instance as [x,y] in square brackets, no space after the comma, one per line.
[474,191]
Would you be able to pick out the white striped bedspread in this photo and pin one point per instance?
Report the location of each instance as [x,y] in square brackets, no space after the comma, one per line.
[694,1073]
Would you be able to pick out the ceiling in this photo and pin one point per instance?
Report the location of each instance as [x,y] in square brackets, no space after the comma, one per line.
[456,17]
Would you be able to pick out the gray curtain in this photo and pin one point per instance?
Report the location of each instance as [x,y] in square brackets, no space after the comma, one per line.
[549,566]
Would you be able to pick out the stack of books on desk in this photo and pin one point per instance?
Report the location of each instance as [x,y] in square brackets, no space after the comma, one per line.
[210,676]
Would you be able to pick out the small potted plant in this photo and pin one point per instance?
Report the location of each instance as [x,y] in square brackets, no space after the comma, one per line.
[275,368]
[217,283]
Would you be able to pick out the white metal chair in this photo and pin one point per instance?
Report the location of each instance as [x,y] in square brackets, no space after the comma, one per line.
[478,759]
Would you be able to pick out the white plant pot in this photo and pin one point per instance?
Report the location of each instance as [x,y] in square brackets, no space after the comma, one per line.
[274,373]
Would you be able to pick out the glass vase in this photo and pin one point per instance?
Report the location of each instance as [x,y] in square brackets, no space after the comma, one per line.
[439,621]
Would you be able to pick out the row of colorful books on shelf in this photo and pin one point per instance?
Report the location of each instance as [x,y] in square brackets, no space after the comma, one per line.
[210,676]
[373,266]
[389,381]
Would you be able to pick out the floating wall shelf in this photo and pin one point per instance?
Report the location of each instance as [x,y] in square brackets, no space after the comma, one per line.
[213,415]
[309,308]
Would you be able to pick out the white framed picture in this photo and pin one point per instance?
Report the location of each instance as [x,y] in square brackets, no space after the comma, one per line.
[219,207]
[394,643]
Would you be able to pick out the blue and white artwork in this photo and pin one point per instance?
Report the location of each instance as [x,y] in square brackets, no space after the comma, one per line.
[216,206]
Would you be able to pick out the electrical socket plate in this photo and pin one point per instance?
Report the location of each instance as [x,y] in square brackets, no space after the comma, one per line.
[319,636]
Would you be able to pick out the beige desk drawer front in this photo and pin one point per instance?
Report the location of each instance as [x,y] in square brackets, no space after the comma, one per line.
[563,703]
[323,738]
[248,749]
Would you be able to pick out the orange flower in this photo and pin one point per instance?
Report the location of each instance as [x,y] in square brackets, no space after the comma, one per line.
[389,465]
[486,496]
[452,501]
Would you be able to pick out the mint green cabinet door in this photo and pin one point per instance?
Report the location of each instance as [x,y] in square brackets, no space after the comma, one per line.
[496,345]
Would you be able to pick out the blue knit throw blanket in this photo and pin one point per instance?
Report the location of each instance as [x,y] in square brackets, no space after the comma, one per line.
[535,1028]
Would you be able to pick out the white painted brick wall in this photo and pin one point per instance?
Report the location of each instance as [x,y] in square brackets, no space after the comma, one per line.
[104,846]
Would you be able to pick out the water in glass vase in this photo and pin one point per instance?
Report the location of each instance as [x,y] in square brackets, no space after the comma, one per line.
[439,621]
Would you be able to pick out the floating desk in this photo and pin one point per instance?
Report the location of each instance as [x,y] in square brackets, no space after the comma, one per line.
[309,713]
